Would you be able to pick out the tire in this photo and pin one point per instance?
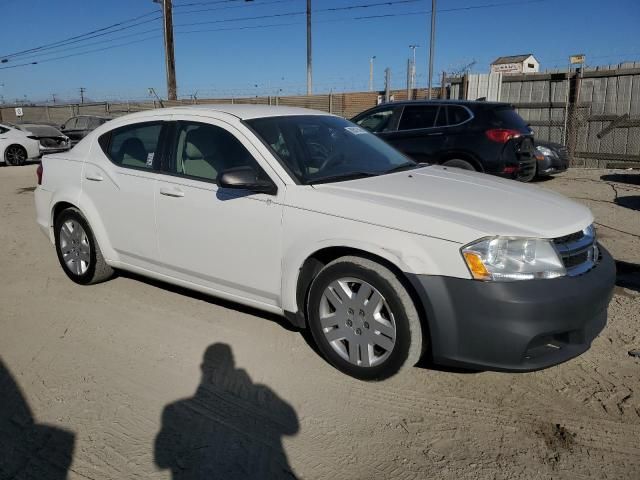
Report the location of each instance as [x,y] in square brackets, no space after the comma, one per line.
[458,163]
[84,263]
[15,155]
[341,328]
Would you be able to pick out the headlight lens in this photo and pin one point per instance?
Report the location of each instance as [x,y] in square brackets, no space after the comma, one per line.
[545,151]
[510,258]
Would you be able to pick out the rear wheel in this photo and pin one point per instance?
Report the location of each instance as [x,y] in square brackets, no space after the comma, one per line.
[459,163]
[363,320]
[77,249]
[15,155]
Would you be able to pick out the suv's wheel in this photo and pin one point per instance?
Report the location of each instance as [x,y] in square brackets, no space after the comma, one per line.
[15,155]
[77,249]
[363,320]
[458,163]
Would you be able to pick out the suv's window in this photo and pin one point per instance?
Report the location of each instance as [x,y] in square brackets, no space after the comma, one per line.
[83,123]
[418,116]
[3,130]
[93,122]
[379,121]
[507,117]
[204,151]
[71,124]
[135,145]
[457,114]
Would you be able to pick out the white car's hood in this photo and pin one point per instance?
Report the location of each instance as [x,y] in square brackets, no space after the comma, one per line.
[447,203]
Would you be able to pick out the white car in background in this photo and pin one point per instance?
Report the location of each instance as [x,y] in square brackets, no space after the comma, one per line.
[307,215]
[16,147]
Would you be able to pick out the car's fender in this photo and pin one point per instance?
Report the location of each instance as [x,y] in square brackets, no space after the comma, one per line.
[307,233]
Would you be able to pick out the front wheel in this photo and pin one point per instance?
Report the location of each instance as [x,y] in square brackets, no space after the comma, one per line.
[78,252]
[363,320]
[15,155]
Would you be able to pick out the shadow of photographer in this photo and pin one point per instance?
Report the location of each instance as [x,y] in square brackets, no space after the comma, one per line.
[230,428]
[29,450]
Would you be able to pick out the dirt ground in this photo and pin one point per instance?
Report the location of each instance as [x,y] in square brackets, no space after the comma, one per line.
[136,379]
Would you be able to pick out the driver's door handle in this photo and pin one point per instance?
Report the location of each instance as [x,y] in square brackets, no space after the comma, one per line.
[172,192]
[94,177]
[434,134]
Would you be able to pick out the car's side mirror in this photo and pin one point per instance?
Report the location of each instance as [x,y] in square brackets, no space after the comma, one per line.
[246,178]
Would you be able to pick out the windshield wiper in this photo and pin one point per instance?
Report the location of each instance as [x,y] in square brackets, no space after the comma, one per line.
[344,177]
[405,166]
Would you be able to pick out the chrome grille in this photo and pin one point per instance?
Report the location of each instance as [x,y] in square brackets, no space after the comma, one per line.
[579,251]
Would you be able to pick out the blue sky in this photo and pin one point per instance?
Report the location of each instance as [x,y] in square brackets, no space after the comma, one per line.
[233,61]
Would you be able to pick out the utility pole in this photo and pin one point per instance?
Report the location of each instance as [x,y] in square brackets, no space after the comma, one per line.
[371,73]
[82,90]
[431,43]
[309,70]
[412,69]
[387,84]
[169,56]
[53,97]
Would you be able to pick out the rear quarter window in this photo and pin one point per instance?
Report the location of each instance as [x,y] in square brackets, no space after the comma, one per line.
[507,117]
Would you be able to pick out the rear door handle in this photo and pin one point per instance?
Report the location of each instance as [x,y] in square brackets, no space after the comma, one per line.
[435,133]
[94,177]
[172,192]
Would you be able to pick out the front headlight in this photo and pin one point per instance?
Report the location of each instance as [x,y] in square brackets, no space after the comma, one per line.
[512,258]
[545,151]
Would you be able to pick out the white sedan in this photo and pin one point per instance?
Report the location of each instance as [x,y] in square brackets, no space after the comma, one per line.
[16,147]
[307,215]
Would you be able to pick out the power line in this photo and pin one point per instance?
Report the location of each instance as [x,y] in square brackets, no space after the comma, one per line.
[243,5]
[80,53]
[290,14]
[89,35]
[99,42]
[251,27]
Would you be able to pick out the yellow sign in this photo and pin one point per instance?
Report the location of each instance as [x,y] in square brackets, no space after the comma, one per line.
[574,59]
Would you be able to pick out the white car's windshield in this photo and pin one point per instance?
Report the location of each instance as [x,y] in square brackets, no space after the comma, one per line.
[317,148]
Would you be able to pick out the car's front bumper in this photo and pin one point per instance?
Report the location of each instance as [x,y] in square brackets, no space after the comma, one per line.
[515,326]
[548,165]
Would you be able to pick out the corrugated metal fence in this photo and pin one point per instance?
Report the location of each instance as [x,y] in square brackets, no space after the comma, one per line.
[343,104]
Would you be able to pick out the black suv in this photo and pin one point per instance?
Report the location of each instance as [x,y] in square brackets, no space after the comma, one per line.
[76,128]
[484,136]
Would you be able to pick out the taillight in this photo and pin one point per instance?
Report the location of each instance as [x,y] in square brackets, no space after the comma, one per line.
[502,135]
[39,172]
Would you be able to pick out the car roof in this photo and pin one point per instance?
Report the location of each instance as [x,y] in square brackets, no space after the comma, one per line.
[444,101]
[241,111]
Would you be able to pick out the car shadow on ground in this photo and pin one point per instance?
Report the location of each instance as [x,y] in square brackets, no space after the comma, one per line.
[629,178]
[628,275]
[283,322]
[231,428]
[632,202]
[29,450]
[544,179]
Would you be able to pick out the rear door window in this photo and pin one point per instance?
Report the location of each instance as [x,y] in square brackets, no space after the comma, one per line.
[135,145]
[457,114]
[418,116]
[82,124]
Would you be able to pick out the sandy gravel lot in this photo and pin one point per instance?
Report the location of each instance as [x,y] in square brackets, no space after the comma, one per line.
[136,379]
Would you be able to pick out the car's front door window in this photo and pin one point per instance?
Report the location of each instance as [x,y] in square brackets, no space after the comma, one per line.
[376,122]
[203,151]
